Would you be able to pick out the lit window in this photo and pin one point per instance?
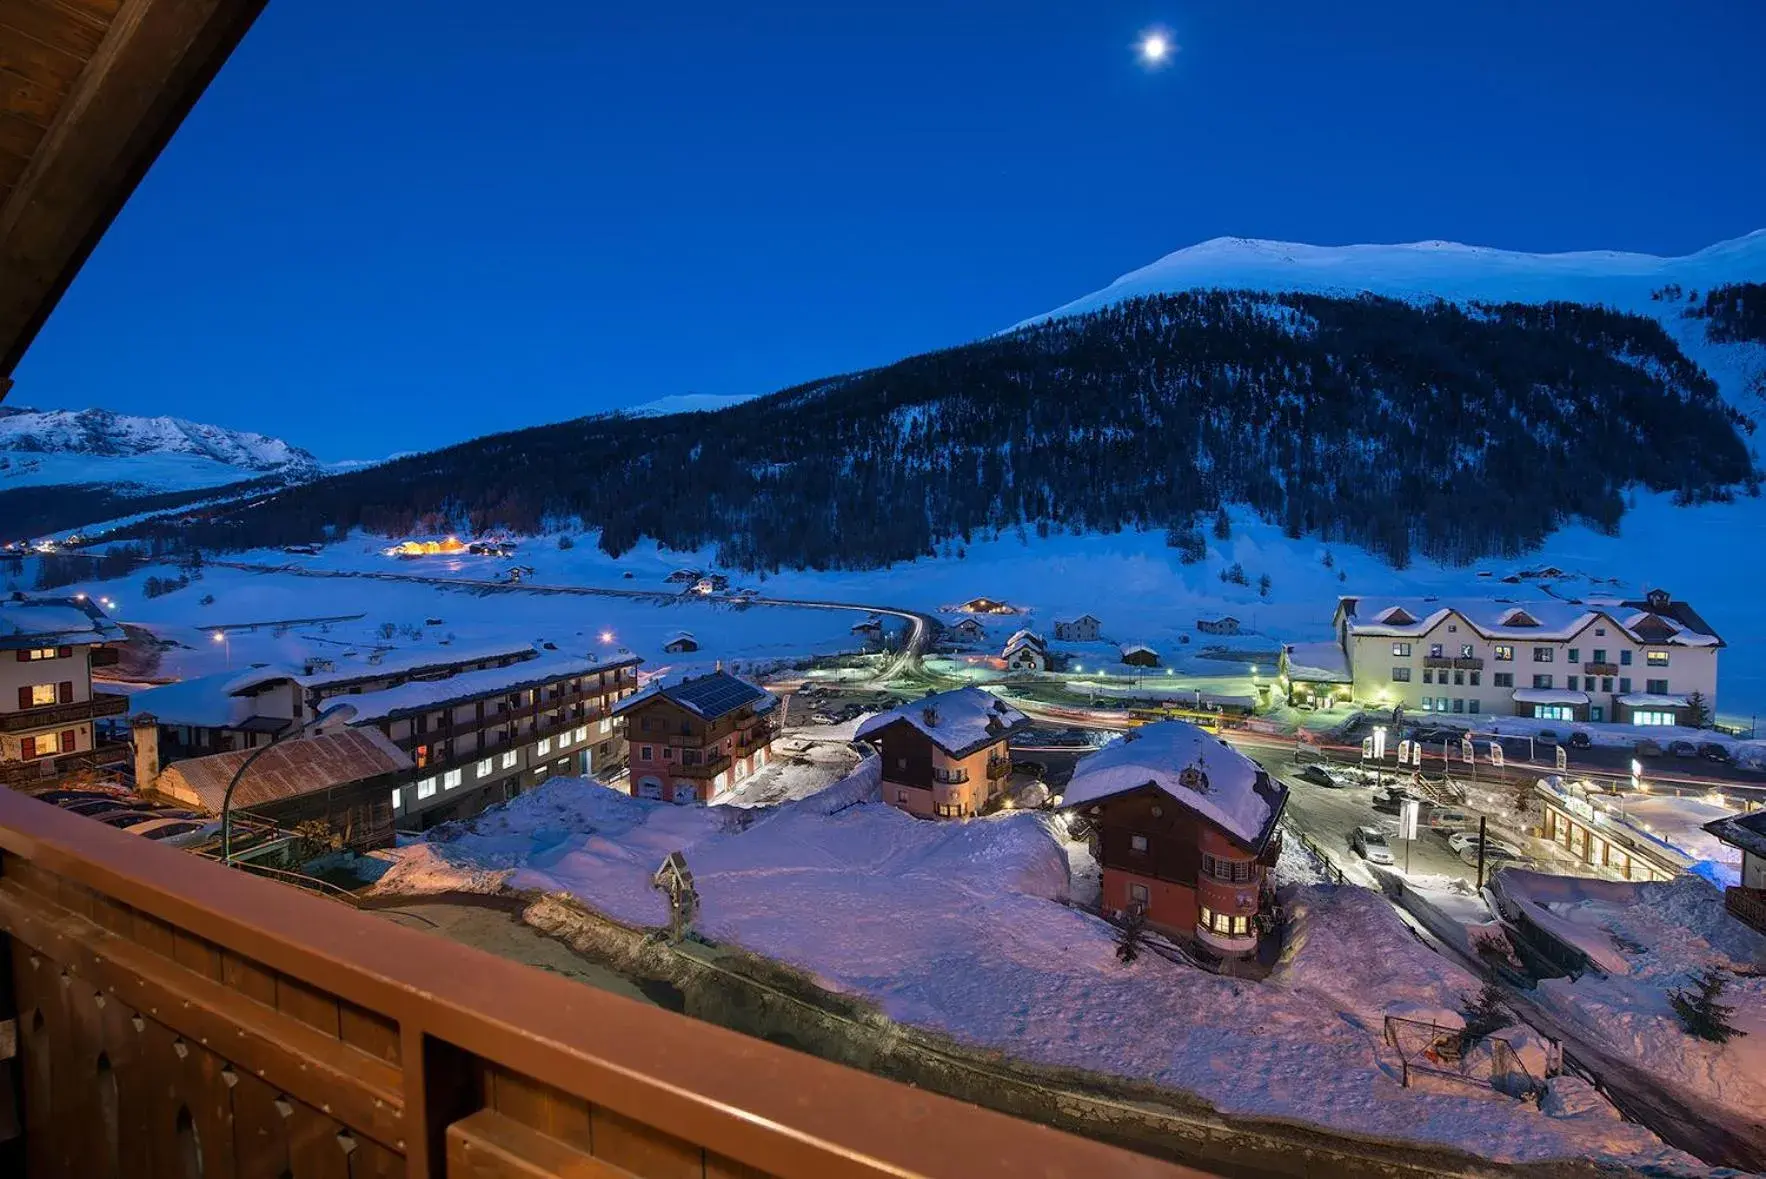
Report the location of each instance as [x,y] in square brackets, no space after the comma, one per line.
[509,760]
[1207,917]
[451,779]
[1465,650]
[1401,650]
[1656,658]
[40,653]
[1137,843]
[42,694]
[1543,654]
[582,732]
[544,747]
[564,738]
[426,788]
[1434,650]
[606,724]
[1241,925]
[485,766]
[1505,654]
[397,802]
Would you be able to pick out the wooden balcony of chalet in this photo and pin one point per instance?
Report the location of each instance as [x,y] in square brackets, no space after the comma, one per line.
[175,1017]
[101,704]
[1454,662]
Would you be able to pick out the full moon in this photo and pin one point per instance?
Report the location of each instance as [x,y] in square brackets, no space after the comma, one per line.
[1155,48]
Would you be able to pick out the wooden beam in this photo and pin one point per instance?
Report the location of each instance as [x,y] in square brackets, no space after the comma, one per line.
[153,62]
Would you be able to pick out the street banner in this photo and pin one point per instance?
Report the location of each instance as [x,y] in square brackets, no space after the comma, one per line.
[1367,748]
[1404,753]
[1563,759]
[1496,754]
[1408,811]
[1466,752]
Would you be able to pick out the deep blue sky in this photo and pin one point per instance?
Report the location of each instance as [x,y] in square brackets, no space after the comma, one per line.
[391,225]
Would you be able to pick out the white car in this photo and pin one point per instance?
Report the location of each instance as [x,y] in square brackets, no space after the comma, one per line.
[1370,843]
[1494,853]
[1469,846]
[1460,840]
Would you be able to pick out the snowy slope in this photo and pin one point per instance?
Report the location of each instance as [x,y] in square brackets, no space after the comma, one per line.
[686,403]
[136,455]
[1446,270]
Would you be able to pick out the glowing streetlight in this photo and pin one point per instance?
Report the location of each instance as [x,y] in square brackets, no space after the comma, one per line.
[606,636]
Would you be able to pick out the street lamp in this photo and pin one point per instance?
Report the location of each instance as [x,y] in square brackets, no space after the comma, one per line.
[222,637]
[341,712]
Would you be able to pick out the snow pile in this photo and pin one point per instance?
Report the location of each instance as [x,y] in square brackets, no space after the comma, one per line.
[1661,934]
[959,928]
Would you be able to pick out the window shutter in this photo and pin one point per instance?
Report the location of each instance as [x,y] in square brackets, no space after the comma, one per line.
[24,695]
[30,747]
[64,652]
[22,655]
[70,740]
[64,691]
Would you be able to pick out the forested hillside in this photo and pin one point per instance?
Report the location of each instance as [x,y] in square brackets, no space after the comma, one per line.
[1736,311]
[1448,431]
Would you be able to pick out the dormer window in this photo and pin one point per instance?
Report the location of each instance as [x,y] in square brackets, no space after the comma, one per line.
[1519,618]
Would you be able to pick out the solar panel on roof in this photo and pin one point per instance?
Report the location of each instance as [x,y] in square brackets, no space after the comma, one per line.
[715,695]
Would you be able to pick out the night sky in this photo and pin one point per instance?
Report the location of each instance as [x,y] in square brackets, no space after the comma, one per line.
[394,225]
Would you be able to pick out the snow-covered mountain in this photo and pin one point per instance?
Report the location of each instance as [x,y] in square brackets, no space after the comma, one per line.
[686,403]
[95,446]
[1446,270]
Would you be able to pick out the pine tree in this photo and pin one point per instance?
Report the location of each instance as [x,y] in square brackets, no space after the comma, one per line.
[1699,1010]
[1131,934]
[1698,710]
[1263,584]
[1234,574]
[1485,1013]
[1223,525]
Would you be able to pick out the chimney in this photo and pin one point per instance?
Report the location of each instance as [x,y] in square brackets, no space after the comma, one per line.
[931,715]
[144,735]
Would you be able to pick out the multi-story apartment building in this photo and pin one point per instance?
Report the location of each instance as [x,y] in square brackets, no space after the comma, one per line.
[1187,832]
[1632,662]
[691,740]
[479,726]
[945,756]
[48,647]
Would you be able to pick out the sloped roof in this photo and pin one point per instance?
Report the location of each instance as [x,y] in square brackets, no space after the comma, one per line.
[1747,832]
[1025,637]
[1546,618]
[1199,771]
[417,662]
[54,622]
[289,769]
[708,697]
[958,722]
[1317,663]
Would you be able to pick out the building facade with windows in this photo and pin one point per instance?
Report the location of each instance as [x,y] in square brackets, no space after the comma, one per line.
[480,726]
[690,741]
[1186,829]
[1650,661]
[946,756]
[48,710]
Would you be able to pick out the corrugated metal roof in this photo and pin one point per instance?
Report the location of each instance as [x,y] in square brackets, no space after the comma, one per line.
[288,769]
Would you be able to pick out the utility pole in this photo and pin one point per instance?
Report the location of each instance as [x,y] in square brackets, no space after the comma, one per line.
[1483,822]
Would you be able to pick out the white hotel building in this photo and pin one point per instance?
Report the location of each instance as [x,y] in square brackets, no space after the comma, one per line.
[1630,662]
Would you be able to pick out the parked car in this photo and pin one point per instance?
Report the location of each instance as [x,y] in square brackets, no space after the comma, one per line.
[1580,739]
[1647,748]
[1546,737]
[1391,800]
[1446,820]
[1467,841]
[1320,776]
[1683,749]
[1494,854]
[1711,751]
[1370,844]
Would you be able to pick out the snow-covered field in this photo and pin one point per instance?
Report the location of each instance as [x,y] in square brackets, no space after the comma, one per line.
[1651,939]
[960,928]
[466,618]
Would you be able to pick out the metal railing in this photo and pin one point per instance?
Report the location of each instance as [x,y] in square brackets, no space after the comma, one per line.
[232,1020]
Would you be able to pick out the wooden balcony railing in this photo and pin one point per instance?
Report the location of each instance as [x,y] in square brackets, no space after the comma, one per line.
[101,704]
[175,1017]
[1747,905]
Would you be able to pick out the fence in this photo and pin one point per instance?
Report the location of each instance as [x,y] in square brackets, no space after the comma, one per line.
[1428,1047]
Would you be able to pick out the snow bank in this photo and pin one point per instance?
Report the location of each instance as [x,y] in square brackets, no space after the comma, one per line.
[1661,934]
[959,928]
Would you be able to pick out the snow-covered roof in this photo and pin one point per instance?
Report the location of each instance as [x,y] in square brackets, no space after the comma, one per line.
[1549,619]
[958,722]
[205,702]
[417,661]
[423,695]
[1025,637]
[1136,648]
[1747,832]
[1652,700]
[680,634]
[1080,619]
[1197,770]
[1317,663]
[54,622]
[1549,696]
